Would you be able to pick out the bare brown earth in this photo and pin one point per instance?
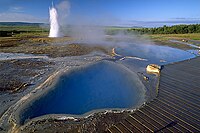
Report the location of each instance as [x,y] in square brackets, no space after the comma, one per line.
[12,71]
[47,46]
[16,74]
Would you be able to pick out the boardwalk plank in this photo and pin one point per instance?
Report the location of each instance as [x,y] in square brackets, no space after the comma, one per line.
[158,119]
[122,128]
[130,127]
[138,125]
[180,114]
[113,129]
[177,106]
[169,113]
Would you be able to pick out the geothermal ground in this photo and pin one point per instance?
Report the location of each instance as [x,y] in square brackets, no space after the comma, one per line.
[26,63]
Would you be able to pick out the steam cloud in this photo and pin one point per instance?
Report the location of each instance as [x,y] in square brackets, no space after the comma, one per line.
[63,9]
[91,32]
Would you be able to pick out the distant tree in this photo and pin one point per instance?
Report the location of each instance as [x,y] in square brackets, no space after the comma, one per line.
[191,28]
[176,29]
[198,28]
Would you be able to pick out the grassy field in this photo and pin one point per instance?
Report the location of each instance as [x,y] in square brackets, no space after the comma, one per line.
[23,29]
[165,37]
[161,39]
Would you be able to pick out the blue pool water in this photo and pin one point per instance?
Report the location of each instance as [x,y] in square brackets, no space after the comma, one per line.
[99,86]
[155,53]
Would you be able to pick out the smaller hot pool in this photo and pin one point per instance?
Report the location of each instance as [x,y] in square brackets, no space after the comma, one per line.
[104,85]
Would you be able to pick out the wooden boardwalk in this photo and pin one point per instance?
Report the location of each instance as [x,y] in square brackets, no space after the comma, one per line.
[177,106]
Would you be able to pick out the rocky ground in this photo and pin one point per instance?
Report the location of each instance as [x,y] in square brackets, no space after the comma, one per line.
[97,123]
[20,76]
[50,47]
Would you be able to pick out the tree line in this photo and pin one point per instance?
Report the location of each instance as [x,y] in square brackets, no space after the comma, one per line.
[176,29]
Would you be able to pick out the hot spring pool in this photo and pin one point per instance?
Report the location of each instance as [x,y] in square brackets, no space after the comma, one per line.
[155,54]
[104,85]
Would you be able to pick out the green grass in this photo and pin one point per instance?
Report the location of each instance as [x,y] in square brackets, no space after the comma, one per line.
[22,28]
[165,37]
[32,34]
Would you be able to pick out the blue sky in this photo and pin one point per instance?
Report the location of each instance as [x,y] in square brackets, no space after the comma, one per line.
[107,12]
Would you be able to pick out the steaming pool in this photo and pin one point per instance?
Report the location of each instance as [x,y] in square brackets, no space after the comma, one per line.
[103,85]
[151,54]
[156,54]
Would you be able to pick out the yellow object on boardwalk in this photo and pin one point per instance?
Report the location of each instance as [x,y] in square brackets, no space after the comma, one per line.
[153,68]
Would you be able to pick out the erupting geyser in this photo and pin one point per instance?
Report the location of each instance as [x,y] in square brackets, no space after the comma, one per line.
[54,25]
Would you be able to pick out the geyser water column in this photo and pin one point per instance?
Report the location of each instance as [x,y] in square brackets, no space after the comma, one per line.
[54,25]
